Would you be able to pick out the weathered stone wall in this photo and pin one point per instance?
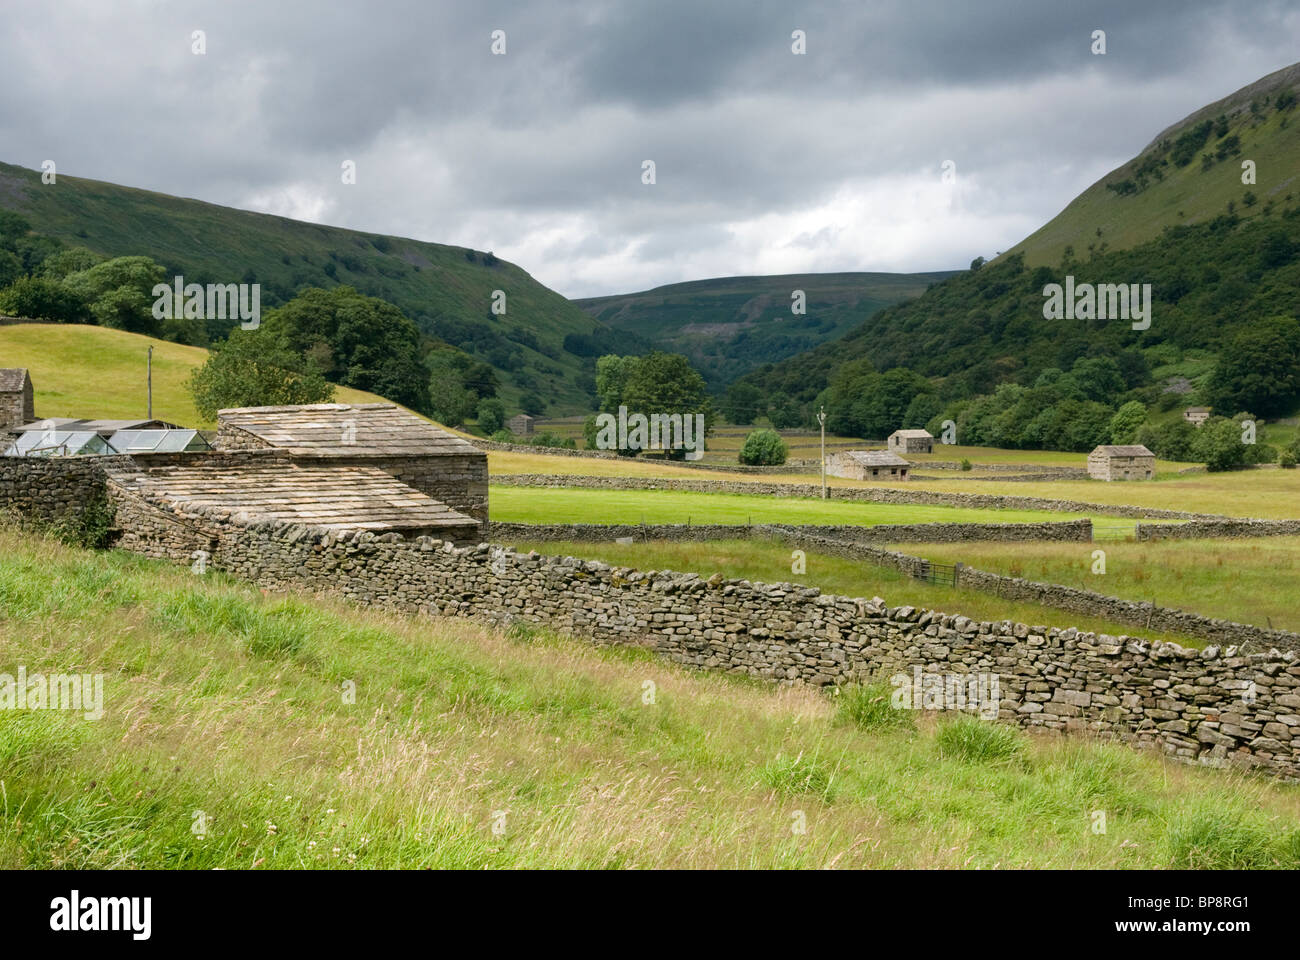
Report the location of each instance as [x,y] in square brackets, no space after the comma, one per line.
[52,488]
[16,408]
[1212,705]
[883,494]
[1069,530]
[790,466]
[1227,529]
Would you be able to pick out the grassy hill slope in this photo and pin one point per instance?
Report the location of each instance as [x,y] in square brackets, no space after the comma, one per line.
[730,325]
[222,711]
[446,290]
[86,371]
[1196,192]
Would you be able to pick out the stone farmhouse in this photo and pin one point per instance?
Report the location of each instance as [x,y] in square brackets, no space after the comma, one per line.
[867,465]
[911,441]
[1196,415]
[16,404]
[1122,462]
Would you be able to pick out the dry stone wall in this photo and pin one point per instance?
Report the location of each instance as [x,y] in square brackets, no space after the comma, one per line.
[1214,706]
[1069,530]
[867,494]
[1228,528]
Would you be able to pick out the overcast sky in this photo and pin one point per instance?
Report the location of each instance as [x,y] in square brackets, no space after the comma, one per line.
[766,161]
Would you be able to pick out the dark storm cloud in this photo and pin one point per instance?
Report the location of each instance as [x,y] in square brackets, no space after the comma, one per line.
[766,161]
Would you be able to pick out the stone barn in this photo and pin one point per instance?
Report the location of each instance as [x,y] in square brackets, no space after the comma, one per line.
[382,436]
[521,425]
[867,465]
[1196,415]
[911,441]
[1122,462]
[16,403]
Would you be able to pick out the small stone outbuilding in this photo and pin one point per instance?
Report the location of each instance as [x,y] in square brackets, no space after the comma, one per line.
[867,465]
[911,441]
[1122,462]
[384,436]
[521,424]
[17,405]
[1196,415]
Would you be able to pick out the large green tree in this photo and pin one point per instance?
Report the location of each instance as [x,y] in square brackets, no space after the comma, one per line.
[355,340]
[254,369]
[1259,369]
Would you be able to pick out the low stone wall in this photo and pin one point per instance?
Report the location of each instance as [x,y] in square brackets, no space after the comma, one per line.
[1068,530]
[858,543]
[1072,599]
[1226,529]
[1036,468]
[890,494]
[1212,706]
[790,466]
[52,488]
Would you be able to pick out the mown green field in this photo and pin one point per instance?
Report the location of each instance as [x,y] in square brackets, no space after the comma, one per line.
[1250,581]
[223,707]
[578,505]
[1266,493]
[770,562]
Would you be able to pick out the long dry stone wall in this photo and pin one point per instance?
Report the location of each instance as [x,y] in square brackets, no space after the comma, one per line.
[895,494]
[1227,528]
[1214,706]
[1069,530]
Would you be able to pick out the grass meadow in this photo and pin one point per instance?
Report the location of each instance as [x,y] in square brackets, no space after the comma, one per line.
[226,742]
[578,505]
[770,562]
[1250,580]
[98,372]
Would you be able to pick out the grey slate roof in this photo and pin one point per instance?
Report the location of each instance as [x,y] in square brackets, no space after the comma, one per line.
[912,434]
[877,458]
[12,379]
[320,429]
[333,498]
[1123,450]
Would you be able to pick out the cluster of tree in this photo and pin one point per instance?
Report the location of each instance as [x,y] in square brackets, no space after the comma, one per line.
[1221,443]
[1073,410]
[42,279]
[651,385]
[253,368]
[459,385]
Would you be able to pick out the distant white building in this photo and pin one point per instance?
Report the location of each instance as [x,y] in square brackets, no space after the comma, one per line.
[867,465]
[911,441]
[1196,415]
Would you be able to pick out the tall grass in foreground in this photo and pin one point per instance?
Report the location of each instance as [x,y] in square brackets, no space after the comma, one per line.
[249,731]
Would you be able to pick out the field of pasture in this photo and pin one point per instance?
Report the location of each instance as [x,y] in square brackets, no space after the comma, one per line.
[1250,581]
[471,748]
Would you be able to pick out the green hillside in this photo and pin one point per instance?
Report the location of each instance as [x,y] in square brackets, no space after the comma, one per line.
[1170,183]
[1228,272]
[446,290]
[730,325]
[97,372]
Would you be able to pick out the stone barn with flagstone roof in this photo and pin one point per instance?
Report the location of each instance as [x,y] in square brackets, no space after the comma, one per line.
[17,405]
[381,436]
[867,465]
[1122,462]
[911,441]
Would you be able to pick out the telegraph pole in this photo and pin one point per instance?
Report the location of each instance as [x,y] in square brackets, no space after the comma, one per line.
[821,419]
[149,381]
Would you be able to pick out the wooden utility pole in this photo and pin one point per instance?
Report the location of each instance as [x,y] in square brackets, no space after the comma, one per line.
[149,382]
[821,419]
